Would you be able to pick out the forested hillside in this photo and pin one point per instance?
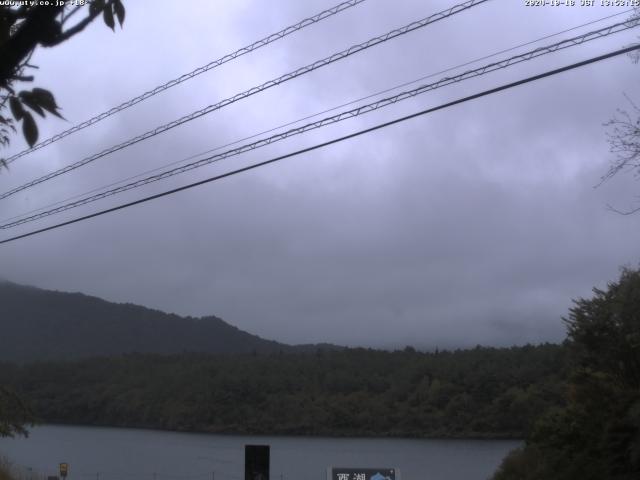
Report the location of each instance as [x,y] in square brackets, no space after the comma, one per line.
[45,325]
[596,435]
[483,392]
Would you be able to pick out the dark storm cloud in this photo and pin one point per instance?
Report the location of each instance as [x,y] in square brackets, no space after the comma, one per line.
[477,224]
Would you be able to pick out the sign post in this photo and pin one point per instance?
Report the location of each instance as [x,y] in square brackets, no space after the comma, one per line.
[256,462]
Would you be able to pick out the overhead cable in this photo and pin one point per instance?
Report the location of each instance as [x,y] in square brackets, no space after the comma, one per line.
[188,76]
[308,117]
[361,110]
[330,142]
[252,91]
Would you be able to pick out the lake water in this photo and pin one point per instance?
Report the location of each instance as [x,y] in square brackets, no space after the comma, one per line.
[127,454]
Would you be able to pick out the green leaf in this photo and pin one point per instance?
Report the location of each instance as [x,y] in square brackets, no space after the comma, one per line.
[118,7]
[29,100]
[46,100]
[29,129]
[107,14]
[9,123]
[16,108]
[96,7]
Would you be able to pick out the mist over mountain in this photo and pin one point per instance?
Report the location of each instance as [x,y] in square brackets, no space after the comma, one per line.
[37,324]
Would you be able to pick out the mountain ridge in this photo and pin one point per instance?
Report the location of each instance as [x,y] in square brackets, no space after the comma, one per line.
[39,324]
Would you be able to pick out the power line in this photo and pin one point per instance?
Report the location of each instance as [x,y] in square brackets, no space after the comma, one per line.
[381,92]
[252,91]
[342,116]
[385,102]
[188,76]
[331,142]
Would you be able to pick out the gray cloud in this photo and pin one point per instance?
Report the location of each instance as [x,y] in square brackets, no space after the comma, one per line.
[477,224]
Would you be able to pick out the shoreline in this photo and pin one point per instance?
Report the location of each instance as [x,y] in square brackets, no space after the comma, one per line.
[346,435]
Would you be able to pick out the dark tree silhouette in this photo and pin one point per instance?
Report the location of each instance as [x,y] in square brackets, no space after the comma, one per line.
[624,143]
[15,414]
[23,29]
[623,136]
[597,434]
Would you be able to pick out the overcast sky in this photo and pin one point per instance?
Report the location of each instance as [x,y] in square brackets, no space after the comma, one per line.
[474,225]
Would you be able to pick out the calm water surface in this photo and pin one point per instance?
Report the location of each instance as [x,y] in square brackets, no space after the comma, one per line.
[127,454]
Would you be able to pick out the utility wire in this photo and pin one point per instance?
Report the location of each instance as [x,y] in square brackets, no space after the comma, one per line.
[252,91]
[331,142]
[385,102]
[308,117]
[188,76]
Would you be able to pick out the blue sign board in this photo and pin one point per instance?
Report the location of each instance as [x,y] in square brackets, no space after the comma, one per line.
[364,474]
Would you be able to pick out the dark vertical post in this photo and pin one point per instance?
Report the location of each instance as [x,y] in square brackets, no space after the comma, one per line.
[256,462]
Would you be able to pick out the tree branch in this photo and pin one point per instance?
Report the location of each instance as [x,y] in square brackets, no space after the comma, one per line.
[38,27]
[77,28]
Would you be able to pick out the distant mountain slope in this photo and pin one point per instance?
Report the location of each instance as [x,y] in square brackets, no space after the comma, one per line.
[38,324]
